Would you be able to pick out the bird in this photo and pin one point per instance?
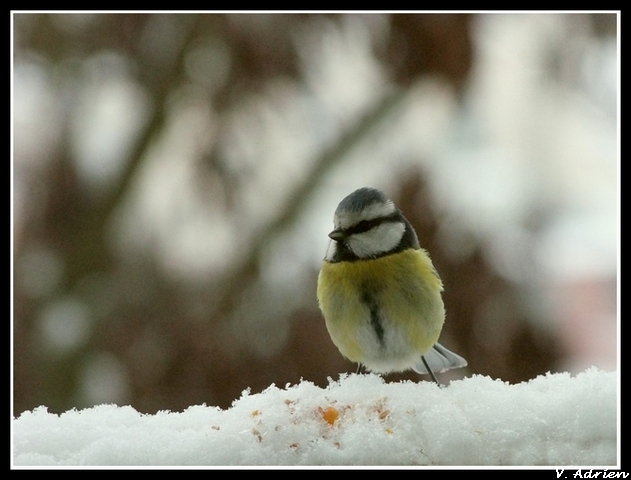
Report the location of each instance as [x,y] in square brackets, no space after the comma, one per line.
[379,292]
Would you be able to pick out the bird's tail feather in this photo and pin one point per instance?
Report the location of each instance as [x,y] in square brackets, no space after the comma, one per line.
[439,359]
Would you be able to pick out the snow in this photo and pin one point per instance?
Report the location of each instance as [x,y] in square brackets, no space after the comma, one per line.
[552,420]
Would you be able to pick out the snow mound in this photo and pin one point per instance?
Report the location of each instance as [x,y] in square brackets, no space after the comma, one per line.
[554,419]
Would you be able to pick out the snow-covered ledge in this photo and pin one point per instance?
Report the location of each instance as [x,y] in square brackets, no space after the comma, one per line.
[553,420]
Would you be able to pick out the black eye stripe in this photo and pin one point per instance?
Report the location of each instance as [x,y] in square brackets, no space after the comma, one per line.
[366,225]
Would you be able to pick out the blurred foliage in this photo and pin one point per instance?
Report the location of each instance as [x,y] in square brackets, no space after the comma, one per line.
[170,338]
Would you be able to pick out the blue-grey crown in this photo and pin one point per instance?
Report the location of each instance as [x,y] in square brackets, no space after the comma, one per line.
[360,199]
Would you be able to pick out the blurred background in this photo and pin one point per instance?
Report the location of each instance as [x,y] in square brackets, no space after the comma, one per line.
[174,178]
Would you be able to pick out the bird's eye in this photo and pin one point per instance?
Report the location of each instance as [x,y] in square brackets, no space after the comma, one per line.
[363,226]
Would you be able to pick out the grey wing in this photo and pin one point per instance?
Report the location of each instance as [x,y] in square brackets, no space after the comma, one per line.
[440,359]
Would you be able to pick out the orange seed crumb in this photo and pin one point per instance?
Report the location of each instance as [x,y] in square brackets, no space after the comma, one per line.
[330,415]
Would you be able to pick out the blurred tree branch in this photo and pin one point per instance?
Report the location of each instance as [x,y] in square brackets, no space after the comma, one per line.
[76,222]
[300,194]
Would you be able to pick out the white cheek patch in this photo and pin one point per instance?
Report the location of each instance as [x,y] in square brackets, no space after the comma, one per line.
[377,240]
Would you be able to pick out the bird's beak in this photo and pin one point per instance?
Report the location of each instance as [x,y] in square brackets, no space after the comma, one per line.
[337,235]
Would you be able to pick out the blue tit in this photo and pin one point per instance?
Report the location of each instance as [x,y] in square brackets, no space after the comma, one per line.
[379,291]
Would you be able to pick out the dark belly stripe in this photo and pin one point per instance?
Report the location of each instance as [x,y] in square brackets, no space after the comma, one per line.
[375,320]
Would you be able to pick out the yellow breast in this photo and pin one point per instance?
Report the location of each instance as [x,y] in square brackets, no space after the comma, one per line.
[401,290]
